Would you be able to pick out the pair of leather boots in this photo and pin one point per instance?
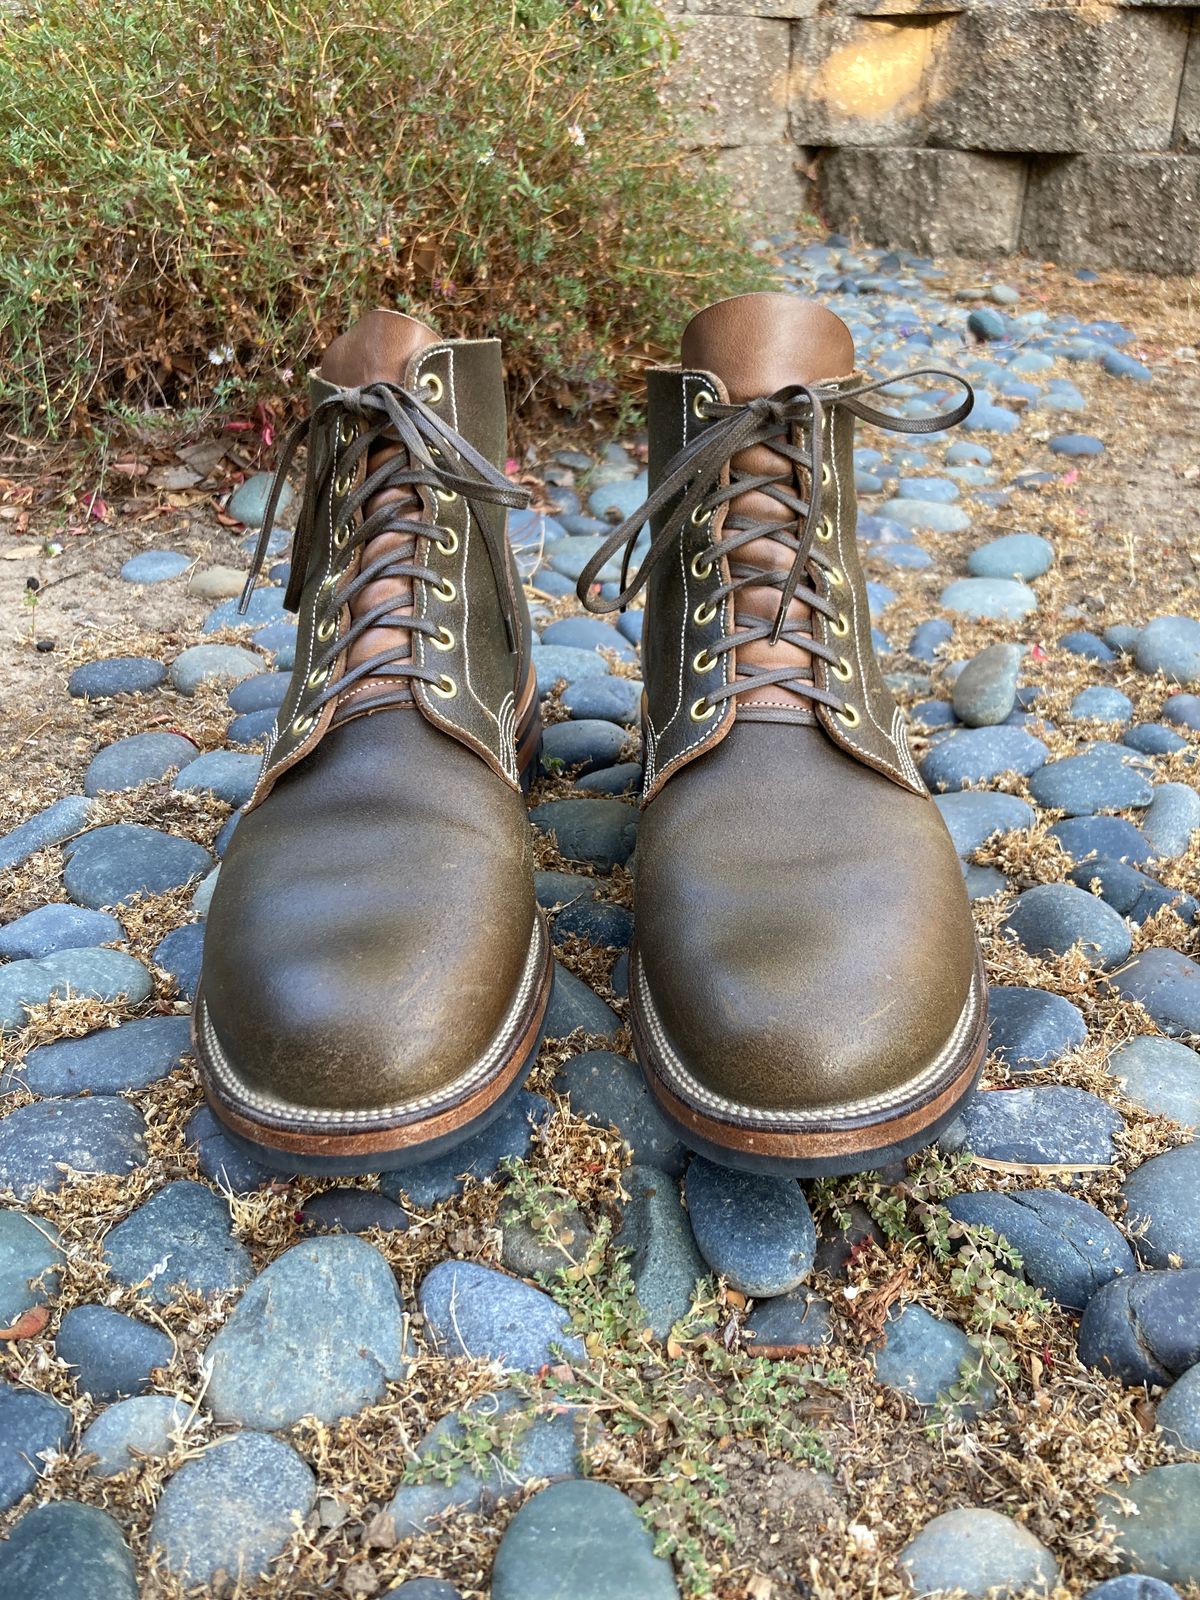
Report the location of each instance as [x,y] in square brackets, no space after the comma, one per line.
[806,992]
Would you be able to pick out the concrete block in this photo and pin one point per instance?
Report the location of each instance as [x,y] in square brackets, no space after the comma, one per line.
[1187,115]
[770,184]
[731,79]
[1137,212]
[934,201]
[897,8]
[1058,80]
[751,8]
[864,80]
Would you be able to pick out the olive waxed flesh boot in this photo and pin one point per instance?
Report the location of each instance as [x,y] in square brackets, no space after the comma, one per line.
[806,990]
[376,969]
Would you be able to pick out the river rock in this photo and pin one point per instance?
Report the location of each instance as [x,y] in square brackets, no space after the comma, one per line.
[978,1552]
[474,1310]
[1160,1533]
[233,1508]
[754,1230]
[1163,1217]
[67,1551]
[274,1362]
[664,1263]
[580,1539]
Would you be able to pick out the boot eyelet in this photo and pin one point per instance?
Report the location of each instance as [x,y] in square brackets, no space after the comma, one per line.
[700,405]
[699,516]
[347,432]
[702,712]
[446,590]
[443,639]
[834,577]
[318,678]
[447,496]
[445,688]
[449,543]
[826,473]
[843,671]
[700,569]
[343,483]
[703,614]
[341,537]
[302,725]
[326,631]
[825,531]
[849,717]
[433,386]
[839,627]
[703,662]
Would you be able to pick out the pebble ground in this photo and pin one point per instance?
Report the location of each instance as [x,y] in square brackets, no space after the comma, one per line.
[569,1360]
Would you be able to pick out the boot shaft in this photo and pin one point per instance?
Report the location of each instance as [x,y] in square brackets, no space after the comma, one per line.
[756,602]
[406,592]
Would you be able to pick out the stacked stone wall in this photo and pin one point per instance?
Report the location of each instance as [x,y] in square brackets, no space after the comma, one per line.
[979,127]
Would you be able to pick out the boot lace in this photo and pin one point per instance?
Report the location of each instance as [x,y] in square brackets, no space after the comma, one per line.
[690,492]
[431,456]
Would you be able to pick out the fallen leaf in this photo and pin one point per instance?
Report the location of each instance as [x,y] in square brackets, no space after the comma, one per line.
[28,1325]
[174,479]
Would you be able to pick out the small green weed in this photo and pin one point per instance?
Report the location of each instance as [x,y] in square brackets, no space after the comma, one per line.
[984,1274]
[680,1407]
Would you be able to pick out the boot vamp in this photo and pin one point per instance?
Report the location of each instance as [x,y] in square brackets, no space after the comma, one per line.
[372,919]
[802,922]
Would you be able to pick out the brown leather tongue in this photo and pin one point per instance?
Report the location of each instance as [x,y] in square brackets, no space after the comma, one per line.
[378,349]
[756,344]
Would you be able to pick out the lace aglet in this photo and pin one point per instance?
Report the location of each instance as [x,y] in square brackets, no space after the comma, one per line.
[777,628]
[248,589]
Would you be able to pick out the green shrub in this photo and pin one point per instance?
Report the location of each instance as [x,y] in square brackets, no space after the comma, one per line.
[196,194]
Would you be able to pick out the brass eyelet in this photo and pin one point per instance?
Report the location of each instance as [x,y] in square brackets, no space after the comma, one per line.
[700,569]
[839,627]
[849,717]
[699,516]
[445,688]
[826,473]
[703,614]
[447,496]
[700,404]
[446,590]
[302,725]
[703,662]
[825,530]
[443,639]
[326,630]
[341,536]
[433,387]
[449,544]
[835,578]
[702,712]
[343,483]
[318,678]
[347,432]
[843,671]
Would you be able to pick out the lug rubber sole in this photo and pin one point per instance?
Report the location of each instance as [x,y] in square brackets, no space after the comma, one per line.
[296,1139]
[838,1140]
